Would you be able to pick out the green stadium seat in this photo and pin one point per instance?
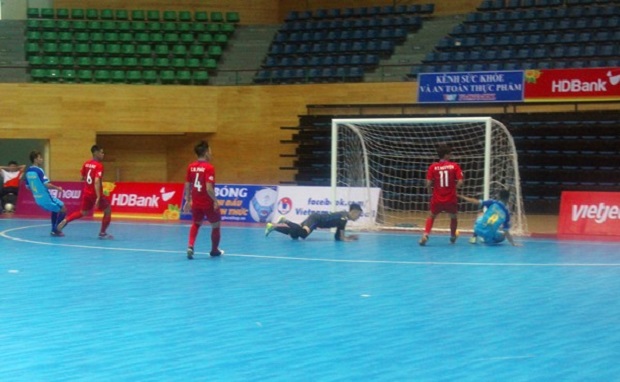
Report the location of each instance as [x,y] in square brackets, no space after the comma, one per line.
[106,14]
[215,51]
[49,36]
[149,76]
[82,49]
[134,76]
[167,77]
[125,37]
[170,16]
[92,14]
[47,13]
[123,26]
[184,27]
[32,49]
[130,62]
[62,13]
[113,49]
[63,25]
[67,61]
[201,77]
[144,50]
[100,62]
[115,62]
[205,38]
[228,28]
[84,62]
[210,64]
[79,26]
[162,62]
[68,75]
[220,39]
[185,16]
[179,63]
[217,17]
[142,38]
[65,48]
[193,63]
[94,25]
[138,26]
[179,50]
[96,37]
[35,60]
[232,17]
[38,74]
[50,48]
[108,26]
[187,38]
[128,50]
[197,51]
[33,24]
[102,75]
[184,77]
[152,15]
[33,36]
[171,38]
[201,16]
[154,27]
[198,28]
[85,75]
[97,49]
[138,15]
[77,13]
[110,37]
[65,36]
[147,62]
[33,13]
[50,61]
[156,38]
[118,76]
[122,14]
[82,37]
[52,75]
[48,24]
[214,28]
[169,27]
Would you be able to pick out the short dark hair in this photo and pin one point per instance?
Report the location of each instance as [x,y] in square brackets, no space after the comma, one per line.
[33,155]
[94,149]
[504,195]
[443,149]
[355,207]
[201,148]
[12,162]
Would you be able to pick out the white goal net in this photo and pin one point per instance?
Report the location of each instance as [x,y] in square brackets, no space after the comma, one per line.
[393,154]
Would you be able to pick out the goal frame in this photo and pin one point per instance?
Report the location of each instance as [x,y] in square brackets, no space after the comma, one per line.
[488,123]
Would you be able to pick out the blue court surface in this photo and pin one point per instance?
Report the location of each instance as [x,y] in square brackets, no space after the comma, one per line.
[273,309]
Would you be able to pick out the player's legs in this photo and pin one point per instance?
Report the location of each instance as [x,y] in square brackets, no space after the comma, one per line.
[214,217]
[106,207]
[198,215]
[88,203]
[430,220]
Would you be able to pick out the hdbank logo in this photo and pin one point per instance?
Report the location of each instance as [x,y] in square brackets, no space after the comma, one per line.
[135,200]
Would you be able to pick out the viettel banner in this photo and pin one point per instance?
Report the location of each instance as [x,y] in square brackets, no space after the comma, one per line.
[589,213]
[592,84]
[71,195]
[161,200]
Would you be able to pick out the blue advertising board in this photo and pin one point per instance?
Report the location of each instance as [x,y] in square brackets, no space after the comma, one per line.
[245,203]
[460,87]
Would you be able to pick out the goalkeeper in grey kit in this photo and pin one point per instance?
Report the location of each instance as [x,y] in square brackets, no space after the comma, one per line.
[336,220]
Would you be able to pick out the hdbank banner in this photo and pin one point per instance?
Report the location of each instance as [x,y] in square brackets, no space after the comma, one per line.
[245,203]
[297,203]
[143,200]
[589,214]
[71,195]
[592,84]
[462,87]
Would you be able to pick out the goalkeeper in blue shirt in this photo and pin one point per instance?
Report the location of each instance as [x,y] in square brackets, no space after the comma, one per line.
[493,226]
[38,183]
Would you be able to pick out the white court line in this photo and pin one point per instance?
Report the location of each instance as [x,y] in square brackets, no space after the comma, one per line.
[292,258]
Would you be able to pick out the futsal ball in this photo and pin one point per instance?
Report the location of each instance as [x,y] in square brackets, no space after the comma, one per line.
[262,204]
[9,207]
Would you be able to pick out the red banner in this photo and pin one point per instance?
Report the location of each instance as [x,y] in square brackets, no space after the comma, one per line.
[71,195]
[589,214]
[159,200]
[592,84]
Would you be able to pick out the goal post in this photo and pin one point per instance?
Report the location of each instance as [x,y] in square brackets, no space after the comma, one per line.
[393,155]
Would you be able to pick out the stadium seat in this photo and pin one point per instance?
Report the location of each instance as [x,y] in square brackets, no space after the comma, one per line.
[185,16]
[48,13]
[33,13]
[152,15]
[92,14]
[184,77]
[232,17]
[106,14]
[138,15]
[201,16]
[121,15]
[102,75]
[118,76]
[217,17]
[201,77]
[170,16]
[149,76]
[85,75]
[68,75]
[167,77]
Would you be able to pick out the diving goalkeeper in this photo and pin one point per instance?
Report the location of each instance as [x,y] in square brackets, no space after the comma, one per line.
[493,226]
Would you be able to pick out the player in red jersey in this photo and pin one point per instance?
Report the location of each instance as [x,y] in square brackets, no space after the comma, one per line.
[200,198]
[443,179]
[92,194]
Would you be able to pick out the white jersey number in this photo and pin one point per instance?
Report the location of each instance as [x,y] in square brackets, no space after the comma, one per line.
[444,180]
[197,184]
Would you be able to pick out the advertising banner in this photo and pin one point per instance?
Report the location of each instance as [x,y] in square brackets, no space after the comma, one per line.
[591,84]
[71,195]
[296,203]
[589,214]
[144,200]
[245,203]
[463,87]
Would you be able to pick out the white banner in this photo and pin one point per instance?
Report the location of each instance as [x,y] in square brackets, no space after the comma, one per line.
[296,203]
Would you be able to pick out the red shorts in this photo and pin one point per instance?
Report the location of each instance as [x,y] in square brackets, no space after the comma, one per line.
[451,208]
[88,203]
[199,214]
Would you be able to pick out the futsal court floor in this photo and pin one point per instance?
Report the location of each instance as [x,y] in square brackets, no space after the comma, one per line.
[273,309]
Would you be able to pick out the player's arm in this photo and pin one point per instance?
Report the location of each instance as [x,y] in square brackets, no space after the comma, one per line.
[340,236]
[211,193]
[98,188]
[468,199]
[51,186]
[187,195]
[511,239]
[429,186]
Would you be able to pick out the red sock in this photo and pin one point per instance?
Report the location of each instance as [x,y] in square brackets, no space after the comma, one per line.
[105,222]
[429,225]
[453,225]
[215,239]
[193,232]
[74,216]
